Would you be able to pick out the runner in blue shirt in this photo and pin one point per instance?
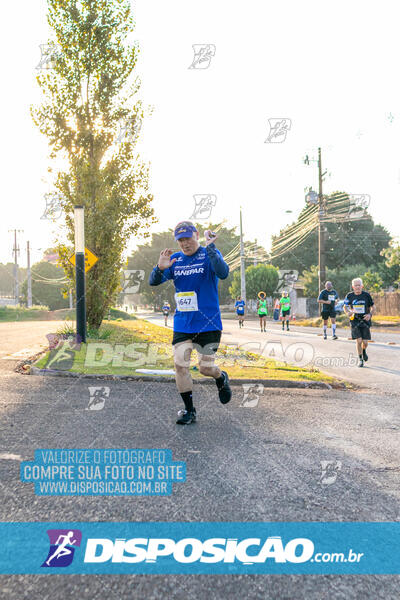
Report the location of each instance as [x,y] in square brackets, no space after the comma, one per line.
[239,305]
[195,271]
[166,308]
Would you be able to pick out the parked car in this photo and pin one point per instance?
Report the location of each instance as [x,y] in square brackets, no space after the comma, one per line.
[339,307]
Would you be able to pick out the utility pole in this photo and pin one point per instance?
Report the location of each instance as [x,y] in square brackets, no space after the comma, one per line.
[29,278]
[312,198]
[16,252]
[242,265]
[321,228]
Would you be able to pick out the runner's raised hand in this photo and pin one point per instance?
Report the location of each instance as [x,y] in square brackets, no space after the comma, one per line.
[210,237]
[165,259]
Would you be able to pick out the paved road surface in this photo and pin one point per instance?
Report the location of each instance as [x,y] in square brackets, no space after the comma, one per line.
[382,372]
[23,338]
[245,464]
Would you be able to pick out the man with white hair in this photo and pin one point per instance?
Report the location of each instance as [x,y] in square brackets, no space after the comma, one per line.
[195,271]
[358,305]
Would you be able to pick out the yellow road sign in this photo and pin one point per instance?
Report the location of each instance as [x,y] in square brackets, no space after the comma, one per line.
[90,259]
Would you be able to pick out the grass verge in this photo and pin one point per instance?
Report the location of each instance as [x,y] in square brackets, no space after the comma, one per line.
[105,357]
[343,321]
[42,313]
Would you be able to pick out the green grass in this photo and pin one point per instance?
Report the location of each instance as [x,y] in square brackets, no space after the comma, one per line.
[20,313]
[238,364]
[393,320]
[42,313]
[343,321]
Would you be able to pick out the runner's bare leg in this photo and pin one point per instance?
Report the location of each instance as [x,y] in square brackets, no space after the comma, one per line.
[182,353]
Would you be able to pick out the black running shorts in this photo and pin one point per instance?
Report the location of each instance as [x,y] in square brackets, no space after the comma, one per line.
[285,313]
[329,311]
[360,329]
[206,342]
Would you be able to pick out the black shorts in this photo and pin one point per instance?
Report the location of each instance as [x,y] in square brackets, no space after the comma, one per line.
[240,315]
[360,329]
[206,342]
[165,313]
[285,313]
[329,311]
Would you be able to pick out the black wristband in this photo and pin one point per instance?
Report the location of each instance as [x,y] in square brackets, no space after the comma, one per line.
[158,270]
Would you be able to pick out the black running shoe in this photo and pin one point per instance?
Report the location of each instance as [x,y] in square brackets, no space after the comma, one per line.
[335,337]
[186,417]
[365,355]
[224,391]
[325,336]
[360,362]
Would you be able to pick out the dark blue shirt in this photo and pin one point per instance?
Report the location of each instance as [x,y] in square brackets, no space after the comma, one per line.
[360,303]
[331,295]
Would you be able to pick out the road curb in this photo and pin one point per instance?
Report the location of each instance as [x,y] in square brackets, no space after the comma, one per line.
[272,383]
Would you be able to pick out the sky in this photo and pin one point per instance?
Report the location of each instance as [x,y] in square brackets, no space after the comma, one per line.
[329,69]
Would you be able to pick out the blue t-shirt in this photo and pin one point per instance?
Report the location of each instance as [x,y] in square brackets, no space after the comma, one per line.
[166,308]
[198,273]
[239,305]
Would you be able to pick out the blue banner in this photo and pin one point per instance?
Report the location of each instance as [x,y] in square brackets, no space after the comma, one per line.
[207,548]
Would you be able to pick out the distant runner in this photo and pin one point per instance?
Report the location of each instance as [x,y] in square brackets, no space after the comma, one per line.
[358,305]
[277,307]
[239,305]
[327,299]
[262,309]
[166,310]
[285,310]
[195,271]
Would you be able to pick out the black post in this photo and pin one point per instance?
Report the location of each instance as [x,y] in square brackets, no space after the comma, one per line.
[80,296]
[80,274]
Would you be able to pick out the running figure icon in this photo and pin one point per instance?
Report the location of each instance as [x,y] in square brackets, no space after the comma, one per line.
[62,550]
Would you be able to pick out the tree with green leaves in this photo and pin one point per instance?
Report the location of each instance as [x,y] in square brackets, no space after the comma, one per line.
[341,279]
[259,278]
[372,281]
[92,120]
[7,284]
[392,263]
[146,257]
[358,241]
[46,289]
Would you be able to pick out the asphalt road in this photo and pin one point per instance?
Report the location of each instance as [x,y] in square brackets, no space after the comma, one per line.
[305,346]
[243,464]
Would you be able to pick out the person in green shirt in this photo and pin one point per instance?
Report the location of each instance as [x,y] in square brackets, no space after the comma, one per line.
[262,309]
[285,310]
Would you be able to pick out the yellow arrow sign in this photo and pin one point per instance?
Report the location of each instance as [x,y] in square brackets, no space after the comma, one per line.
[90,259]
